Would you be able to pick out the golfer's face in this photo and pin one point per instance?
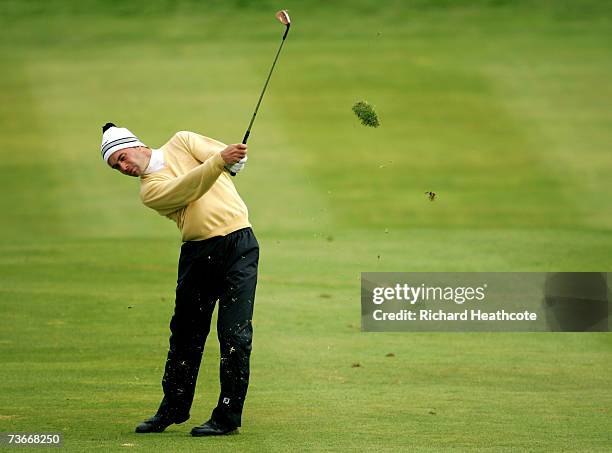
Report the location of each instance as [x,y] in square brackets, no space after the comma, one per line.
[129,161]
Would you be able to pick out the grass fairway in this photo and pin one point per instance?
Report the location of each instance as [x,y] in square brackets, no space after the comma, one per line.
[500,107]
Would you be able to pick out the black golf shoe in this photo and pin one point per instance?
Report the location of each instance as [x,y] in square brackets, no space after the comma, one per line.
[157,424]
[210,428]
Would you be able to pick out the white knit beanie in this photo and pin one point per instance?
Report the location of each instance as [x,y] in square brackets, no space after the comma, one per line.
[115,138]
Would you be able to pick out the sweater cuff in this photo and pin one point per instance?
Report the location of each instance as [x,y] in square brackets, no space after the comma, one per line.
[218,161]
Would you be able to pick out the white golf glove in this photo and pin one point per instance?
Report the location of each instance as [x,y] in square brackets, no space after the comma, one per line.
[238,166]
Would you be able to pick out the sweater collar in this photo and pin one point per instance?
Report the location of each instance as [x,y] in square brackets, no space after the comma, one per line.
[157,161]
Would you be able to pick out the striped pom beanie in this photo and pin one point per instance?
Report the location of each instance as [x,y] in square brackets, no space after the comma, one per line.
[116,138]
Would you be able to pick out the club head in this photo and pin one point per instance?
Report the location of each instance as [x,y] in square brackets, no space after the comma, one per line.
[283,17]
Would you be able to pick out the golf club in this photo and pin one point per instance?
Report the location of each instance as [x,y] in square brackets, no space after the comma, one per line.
[283,17]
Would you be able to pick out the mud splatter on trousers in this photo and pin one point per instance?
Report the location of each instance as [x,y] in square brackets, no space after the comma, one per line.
[223,269]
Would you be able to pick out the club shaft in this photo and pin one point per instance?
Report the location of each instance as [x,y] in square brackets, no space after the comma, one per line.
[248,132]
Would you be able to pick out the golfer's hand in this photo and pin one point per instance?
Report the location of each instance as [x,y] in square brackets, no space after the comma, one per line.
[237,167]
[233,153]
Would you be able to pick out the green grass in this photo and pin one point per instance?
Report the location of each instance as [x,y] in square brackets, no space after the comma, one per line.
[501,108]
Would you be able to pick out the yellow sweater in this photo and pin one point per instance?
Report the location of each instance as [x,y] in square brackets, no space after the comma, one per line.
[194,190]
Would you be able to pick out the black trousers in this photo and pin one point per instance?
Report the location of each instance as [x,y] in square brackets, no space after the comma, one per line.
[222,268]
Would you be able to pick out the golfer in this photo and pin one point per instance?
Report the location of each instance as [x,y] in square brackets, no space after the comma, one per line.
[188,181]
